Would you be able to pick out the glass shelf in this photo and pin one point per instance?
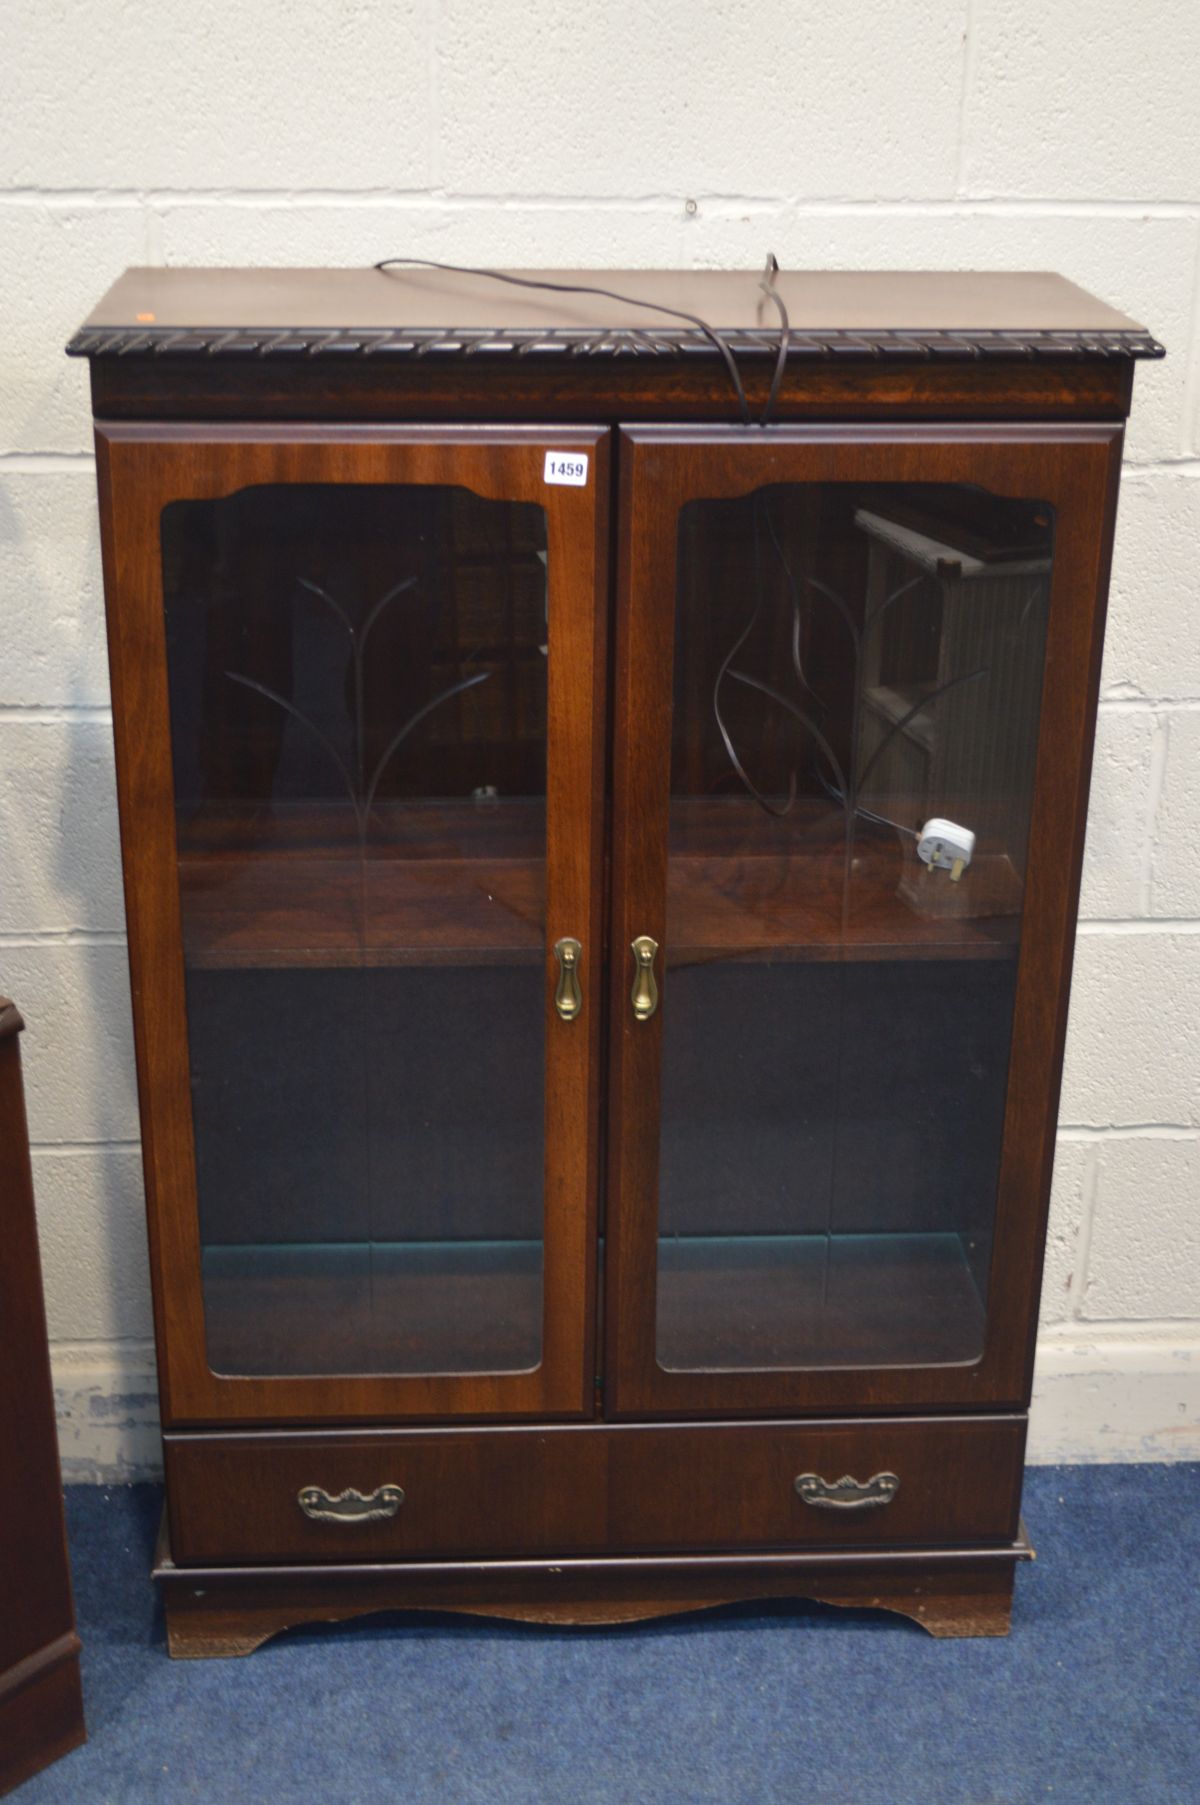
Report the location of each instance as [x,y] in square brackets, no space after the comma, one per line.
[373,1307]
[729,1303]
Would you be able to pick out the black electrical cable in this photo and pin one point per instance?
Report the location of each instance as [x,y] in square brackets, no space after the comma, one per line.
[714,336]
[785,330]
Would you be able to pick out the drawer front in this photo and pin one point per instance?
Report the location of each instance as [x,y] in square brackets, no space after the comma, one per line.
[470,1492]
[521,1493]
[756,1487]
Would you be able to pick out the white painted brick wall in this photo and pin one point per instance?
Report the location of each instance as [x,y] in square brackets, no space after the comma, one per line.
[989,133]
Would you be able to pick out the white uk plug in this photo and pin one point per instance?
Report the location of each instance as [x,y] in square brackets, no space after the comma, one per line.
[944,845]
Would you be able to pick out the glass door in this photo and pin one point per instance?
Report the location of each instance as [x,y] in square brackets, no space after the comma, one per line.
[370,674]
[838,905]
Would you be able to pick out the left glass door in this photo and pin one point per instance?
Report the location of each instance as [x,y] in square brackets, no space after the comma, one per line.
[357,682]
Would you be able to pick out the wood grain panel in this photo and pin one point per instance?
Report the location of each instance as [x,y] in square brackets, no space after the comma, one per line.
[41,1710]
[574,389]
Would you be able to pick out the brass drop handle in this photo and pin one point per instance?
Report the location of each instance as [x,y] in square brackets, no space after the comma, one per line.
[644,996]
[568,997]
[349,1506]
[846,1493]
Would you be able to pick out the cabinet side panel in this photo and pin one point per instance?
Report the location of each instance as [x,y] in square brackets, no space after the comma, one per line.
[33,1553]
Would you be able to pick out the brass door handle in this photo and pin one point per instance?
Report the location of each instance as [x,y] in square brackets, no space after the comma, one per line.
[846,1493]
[644,995]
[349,1506]
[568,997]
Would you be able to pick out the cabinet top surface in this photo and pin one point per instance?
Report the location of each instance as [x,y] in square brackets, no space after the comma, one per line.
[186,311]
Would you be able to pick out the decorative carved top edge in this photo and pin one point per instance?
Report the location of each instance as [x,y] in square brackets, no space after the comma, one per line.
[894,345]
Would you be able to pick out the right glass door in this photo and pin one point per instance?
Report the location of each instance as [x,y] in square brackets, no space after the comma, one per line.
[821,934]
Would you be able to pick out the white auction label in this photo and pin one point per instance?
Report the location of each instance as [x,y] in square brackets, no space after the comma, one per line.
[567,467]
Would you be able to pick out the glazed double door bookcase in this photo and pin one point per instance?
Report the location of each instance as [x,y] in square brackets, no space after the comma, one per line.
[366,706]
[600,907]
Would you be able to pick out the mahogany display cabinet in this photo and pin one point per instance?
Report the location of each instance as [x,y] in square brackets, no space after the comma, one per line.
[602,788]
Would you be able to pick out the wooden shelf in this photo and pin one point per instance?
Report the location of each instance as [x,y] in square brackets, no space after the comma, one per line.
[289,911]
[294,886]
[373,1307]
[465,883]
[746,885]
[769,1302]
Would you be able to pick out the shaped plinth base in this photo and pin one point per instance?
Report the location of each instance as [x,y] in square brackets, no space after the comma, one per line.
[232,1610]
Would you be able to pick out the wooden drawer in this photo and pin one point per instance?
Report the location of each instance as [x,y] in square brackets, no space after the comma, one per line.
[466,1492]
[734,1485]
[592,1489]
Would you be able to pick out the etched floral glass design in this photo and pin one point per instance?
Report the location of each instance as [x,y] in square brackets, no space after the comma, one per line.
[857,686]
[358,715]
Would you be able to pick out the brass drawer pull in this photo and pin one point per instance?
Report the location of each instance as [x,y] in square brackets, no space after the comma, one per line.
[846,1493]
[568,997]
[349,1506]
[644,996]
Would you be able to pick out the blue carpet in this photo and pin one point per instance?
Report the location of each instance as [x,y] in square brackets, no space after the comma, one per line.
[1094,1697]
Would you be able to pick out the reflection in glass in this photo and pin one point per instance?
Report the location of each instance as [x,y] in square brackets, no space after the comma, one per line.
[852,663]
[358,715]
